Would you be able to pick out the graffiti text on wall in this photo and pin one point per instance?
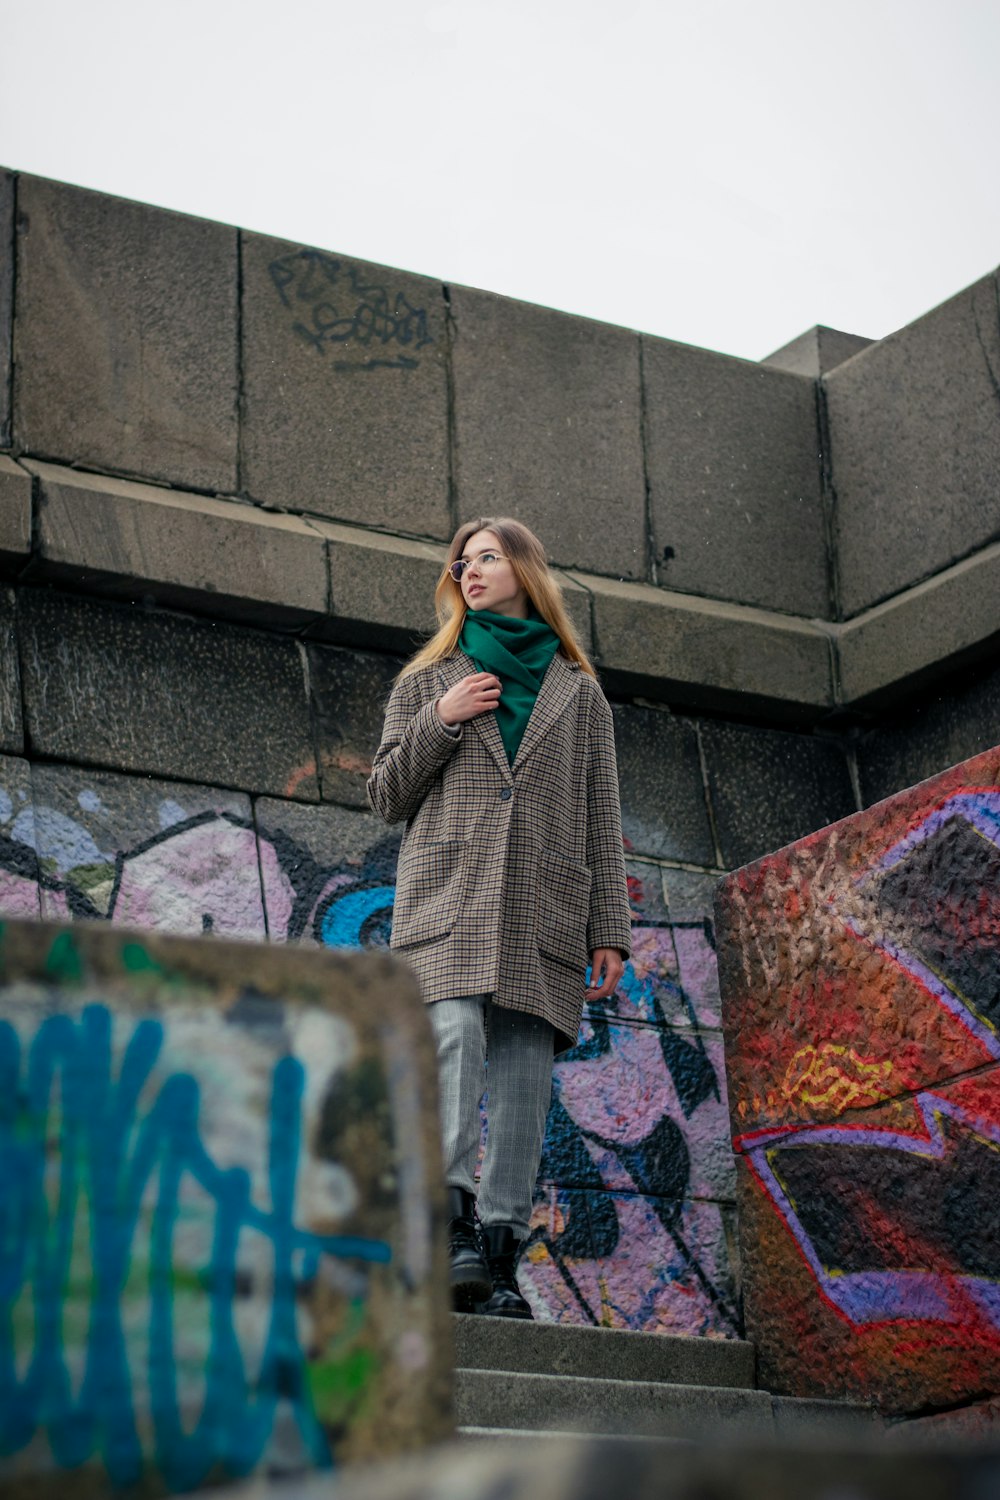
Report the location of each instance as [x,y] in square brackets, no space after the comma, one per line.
[104,1170]
[339,311]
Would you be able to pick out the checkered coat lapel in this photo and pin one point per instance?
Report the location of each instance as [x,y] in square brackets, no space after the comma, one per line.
[453,669]
[509,876]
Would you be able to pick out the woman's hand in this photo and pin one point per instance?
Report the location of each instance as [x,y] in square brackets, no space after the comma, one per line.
[606,968]
[475,694]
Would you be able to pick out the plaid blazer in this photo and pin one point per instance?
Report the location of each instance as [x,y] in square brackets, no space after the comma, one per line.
[509,876]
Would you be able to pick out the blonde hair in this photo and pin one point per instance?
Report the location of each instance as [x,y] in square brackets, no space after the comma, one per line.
[527,557]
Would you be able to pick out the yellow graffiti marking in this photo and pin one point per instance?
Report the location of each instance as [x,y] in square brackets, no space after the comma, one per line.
[836,1076]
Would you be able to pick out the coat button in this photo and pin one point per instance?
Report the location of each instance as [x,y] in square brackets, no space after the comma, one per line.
[506,792]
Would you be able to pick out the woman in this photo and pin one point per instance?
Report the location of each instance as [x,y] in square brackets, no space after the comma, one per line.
[498,751]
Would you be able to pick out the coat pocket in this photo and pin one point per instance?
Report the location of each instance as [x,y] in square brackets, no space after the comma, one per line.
[563,909]
[430,885]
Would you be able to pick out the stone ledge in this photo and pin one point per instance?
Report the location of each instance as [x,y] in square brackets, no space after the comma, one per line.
[15,516]
[334,582]
[708,652]
[126,539]
[945,619]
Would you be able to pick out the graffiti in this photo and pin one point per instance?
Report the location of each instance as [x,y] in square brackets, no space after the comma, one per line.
[632,1106]
[338,309]
[638,1132]
[109,1190]
[870,1115]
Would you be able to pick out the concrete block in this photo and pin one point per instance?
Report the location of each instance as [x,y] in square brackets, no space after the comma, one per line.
[155,854]
[551,1349]
[705,651]
[245,1143]
[924,633]
[625,1260]
[816,352]
[955,721]
[796,1417]
[15,516]
[381,587]
[663,798]
[138,690]
[646,1106]
[329,874]
[734,479]
[860,1009]
[770,786]
[192,551]
[349,691]
[345,389]
[547,429]
[125,337]
[19,875]
[11,723]
[578,1403]
[6,300]
[645,890]
[915,446]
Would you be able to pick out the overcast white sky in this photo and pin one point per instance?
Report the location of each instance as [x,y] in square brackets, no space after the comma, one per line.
[724,172]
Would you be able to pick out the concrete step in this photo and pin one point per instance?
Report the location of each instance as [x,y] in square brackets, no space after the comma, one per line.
[519,1380]
[603,1353]
[583,1404]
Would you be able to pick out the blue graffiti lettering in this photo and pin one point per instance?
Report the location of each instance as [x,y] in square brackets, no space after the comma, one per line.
[108,1154]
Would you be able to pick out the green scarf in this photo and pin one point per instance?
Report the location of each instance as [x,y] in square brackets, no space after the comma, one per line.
[519,653]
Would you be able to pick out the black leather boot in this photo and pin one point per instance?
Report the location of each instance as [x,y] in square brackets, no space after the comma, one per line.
[502,1251]
[470,1279]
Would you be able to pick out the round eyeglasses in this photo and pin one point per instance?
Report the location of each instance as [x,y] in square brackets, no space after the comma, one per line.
[485,562]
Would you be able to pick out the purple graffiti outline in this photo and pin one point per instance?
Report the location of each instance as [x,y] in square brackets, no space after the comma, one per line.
[878,1296]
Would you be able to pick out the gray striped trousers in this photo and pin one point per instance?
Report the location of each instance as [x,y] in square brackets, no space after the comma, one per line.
[509,1054]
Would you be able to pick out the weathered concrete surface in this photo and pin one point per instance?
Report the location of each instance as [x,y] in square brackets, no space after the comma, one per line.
[134,540]
[954,722]
[582,1404]
[816,352]
[734,479]
[6,299]
[346,389]
[547,428]
[915,447]
[381,587]
[143,691]
[349,691]
[15,516]
[167,856]
[704,651]
[915,637]
[721,1468]
[770,786]
[663,798]
[19,878]
[125,337]
[246,1145]
[11,724]
[537,1348]
[859,974]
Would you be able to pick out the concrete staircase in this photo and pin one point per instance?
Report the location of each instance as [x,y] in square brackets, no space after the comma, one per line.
[519,1379]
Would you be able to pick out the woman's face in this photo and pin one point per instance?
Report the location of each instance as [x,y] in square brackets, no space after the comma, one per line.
[495,587]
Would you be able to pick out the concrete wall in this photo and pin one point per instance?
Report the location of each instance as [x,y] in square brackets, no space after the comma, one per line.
[758,529]
[859,974]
